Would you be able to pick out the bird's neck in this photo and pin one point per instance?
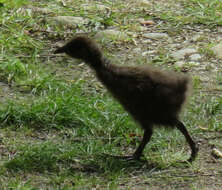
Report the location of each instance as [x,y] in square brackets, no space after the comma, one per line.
[99,63]
[105,71]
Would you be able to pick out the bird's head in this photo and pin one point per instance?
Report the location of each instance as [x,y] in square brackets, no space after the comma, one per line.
[81,48]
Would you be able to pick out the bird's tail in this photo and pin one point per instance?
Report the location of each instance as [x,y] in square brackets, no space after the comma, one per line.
[184,85]
[184,88]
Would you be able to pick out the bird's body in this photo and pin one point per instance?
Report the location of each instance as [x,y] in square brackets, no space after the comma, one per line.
[148,98]
[151,96]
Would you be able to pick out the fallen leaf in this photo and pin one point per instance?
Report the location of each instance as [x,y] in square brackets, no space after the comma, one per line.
[134,135]
[203,128]
[147,22]
[27,32]
[216,153]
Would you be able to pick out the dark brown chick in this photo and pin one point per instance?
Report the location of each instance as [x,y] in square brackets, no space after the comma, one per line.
[151,96]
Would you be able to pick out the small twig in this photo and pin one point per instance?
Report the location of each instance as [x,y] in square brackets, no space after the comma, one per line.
[212,90]
[178,176]
[29,56]
[21,85]
[102,138]
[214,137]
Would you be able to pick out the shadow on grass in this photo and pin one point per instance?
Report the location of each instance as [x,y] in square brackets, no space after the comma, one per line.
[57,157]
[116,164]
[38,161]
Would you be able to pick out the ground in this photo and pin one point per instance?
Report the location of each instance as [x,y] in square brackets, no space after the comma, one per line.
[59,126]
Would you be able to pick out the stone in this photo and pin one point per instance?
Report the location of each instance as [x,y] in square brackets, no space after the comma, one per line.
[137,50]
[217,49]
[147,41]
[181,54]
[175,46]
[141,28]
[179,63]
[195,57]
[111,33]
[70,21]
[196,38]
[155,36]
[36,10]
[144,2]
[97,7]
[148,53]
[41,10]
[194,63]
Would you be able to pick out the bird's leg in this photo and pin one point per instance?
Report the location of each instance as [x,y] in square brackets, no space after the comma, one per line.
[136,156]
[146,137]
[190,141]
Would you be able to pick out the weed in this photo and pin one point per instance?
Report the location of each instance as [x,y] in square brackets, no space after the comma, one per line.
[36,158]
[196,82]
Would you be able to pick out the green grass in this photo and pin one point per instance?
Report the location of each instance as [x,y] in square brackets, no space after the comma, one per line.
[57,124]
[206,12]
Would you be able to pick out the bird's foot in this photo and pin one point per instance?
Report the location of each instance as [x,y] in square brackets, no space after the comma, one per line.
[193,155]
